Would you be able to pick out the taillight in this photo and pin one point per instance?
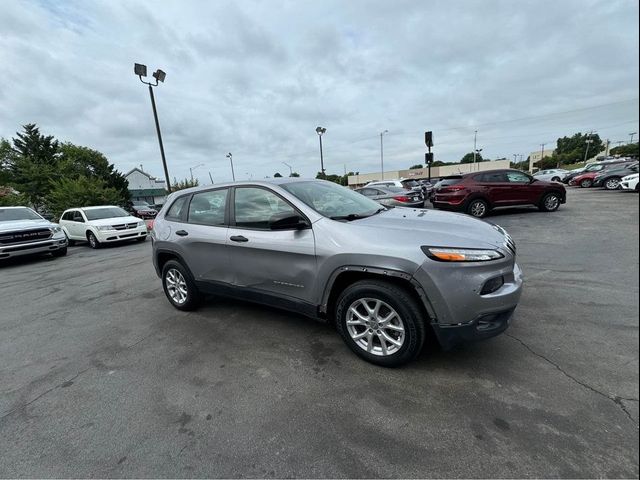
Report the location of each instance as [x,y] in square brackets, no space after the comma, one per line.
[452,188]
[402,198]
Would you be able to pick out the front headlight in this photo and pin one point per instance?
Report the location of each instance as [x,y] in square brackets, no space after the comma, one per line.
[141,224]
[56,229]
[442,254]
[104,228]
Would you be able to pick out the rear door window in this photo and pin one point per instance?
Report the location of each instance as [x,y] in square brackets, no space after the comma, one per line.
[178,209]
[517,177]
[208,208]
[493,177]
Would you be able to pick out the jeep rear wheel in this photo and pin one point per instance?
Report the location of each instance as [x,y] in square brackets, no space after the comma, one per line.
[380,322]
[550,202]
[586,183]
[612,183]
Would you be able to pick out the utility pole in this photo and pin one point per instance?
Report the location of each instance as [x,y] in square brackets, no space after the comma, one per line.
[320,131]
[290,168]
[475,142]
[606,147]
[631,136]
[230,157]
[382,155]
[588,141]
[211,178]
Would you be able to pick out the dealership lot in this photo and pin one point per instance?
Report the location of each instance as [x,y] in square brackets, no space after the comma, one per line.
[101,377]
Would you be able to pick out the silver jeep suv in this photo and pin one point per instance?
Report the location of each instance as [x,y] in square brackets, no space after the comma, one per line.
[385,276]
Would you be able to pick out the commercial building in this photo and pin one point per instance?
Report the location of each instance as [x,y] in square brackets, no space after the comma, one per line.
[535,157]
[420,173]
[146,187]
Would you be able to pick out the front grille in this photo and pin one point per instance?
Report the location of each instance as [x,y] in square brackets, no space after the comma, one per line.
[125,226]
[27,247]
[25,236]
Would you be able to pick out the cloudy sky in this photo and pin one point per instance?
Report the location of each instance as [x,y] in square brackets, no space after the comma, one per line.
[256,78]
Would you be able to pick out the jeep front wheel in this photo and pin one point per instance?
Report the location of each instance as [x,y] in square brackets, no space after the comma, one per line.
[380,322]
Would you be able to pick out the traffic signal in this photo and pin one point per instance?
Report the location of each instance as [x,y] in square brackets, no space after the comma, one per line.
[428,158]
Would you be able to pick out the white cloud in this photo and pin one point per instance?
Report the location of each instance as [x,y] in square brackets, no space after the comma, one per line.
[256,78]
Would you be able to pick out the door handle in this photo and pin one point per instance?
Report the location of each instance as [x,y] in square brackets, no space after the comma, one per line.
[182,233]
[238,238]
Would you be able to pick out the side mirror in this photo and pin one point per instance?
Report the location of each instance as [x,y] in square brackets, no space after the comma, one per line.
[287,221]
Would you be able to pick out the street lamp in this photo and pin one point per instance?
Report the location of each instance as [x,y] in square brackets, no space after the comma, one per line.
[320,131]
[191,169]
[382,155]
[290,168]
[230,157]
[141,71]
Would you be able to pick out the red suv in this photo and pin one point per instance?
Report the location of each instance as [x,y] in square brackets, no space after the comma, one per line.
[478,193]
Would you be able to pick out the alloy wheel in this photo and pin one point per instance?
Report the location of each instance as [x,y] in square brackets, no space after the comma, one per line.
[176,286]
[612,184]
[478,209]
[551,202]
[375,326]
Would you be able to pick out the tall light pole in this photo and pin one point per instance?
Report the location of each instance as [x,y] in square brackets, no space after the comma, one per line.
[382,154]
[290,168]
[631,136]
[320,131]
[588,141]
[475,145]
[230,157]
[141,71]
[191,169]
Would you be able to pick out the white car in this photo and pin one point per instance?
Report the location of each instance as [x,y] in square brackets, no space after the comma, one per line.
[551,175]
[104,224]
[630,182]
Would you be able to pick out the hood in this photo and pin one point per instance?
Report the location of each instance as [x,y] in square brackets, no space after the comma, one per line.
[114,221]
[25,225]
[429,227]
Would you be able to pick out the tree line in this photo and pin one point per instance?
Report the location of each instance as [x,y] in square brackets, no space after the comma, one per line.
[39,171]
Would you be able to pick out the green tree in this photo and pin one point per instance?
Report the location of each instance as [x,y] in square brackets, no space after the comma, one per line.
[81,192]
[468,158]
[277,175]
[574,148]
[8,198]
[630,150]
[182,184]
[35,164]
[7,159]
[294,174]
[438,163]
[76,161]
[416,166]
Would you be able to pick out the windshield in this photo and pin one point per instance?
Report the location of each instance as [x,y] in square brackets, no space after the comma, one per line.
[105,212]
[140,203]
[332,200]
[21,213]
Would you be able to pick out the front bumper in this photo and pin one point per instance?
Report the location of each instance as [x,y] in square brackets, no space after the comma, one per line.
[461,313]
[56,242]
[106,236]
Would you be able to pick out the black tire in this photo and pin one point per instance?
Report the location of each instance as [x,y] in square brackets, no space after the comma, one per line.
[612,183]
[409,315]
[93,241]
[586,183]
[478,208]
[61,252]
[550,202]
[192,299]
[555,179]
[141,239]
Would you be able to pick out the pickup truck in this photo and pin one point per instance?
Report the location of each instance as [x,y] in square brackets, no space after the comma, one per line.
[24,232]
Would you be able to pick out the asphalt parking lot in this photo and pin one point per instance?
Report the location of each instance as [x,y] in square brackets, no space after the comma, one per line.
[101,377]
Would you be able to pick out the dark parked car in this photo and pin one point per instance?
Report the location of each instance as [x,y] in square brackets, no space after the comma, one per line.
[393,196]
[143,210]
[595,167]
[610,178]
[478,193]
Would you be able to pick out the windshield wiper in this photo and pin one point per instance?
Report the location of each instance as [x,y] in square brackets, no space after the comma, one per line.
[356,216]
